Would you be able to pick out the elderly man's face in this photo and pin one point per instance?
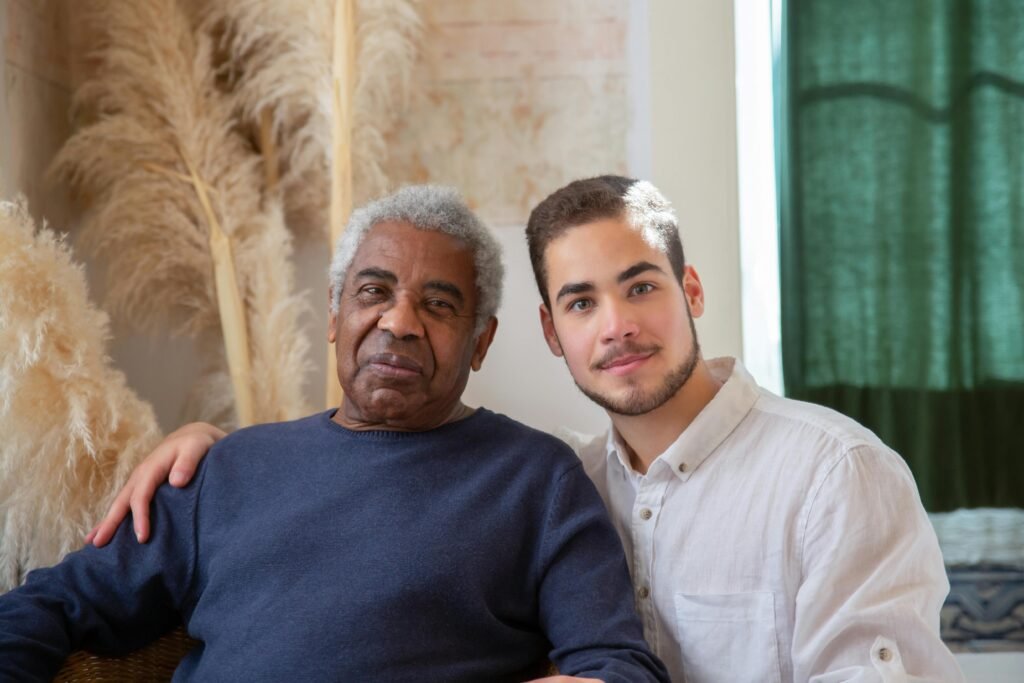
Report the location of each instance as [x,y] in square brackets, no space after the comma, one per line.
[404,330]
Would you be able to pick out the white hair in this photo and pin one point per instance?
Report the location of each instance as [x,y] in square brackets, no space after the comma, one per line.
[426,207]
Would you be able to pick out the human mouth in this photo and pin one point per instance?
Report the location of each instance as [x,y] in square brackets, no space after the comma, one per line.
[394,366]
[625,364]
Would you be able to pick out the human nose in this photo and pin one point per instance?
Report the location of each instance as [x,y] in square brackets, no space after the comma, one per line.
[401,319]
[617,322]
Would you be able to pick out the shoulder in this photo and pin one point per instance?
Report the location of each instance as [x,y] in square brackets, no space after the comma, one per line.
[512,435]
[591,449]
[824,449]
[517,434]
[813,422]
[271,433]
[264,443]
[819,437]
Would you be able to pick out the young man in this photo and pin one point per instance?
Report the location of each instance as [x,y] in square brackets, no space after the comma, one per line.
[768,540]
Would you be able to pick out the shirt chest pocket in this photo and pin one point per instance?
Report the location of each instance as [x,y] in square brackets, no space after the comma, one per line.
[728,637]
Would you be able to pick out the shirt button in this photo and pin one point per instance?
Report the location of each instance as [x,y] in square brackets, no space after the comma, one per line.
[644,592]
[645,514]
[885,654]
[682,467]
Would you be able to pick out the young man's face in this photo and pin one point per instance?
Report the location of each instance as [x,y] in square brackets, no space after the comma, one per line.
[619,317]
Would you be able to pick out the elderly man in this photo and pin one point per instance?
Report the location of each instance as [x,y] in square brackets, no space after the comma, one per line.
[769,540]
[402,537]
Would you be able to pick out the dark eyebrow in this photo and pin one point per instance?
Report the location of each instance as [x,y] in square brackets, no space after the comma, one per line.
[377,274]
[627,274]
[574,288]
[446,287]
[636,269]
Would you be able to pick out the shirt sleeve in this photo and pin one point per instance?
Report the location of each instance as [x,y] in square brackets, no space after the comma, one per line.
[873,579]
[585,595]
[108,600]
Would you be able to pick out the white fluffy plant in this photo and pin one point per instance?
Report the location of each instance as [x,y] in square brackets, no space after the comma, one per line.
[273,59]
[71,429]
[172,187]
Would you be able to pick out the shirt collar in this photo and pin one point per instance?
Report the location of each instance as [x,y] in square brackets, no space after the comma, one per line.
[708,430]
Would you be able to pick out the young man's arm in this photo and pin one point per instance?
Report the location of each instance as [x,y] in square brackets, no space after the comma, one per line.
[874,580]
[107,600]
[586,598]
[175,460]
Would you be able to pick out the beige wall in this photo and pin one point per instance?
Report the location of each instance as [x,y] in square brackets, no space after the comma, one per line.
[684,139]
[693,126]
[37,76]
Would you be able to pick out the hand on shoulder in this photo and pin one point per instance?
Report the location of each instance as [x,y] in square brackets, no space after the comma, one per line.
[174,459]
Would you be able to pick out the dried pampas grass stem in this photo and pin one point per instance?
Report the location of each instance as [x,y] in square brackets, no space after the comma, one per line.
[343,83]
[229,303]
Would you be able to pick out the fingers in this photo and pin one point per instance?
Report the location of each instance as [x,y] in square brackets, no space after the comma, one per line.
[128,498]
[178,456]
[185,466]
[104,531]
[191,444]
[148,481]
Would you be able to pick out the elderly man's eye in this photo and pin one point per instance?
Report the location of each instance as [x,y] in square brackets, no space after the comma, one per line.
[440,306]
[371,292]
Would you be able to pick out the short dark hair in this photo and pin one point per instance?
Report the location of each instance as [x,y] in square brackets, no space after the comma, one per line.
[586,201]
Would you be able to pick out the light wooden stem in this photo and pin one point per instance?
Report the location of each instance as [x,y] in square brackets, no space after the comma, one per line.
[229,301]
[343,70]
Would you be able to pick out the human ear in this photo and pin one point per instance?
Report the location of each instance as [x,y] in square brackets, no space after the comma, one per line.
[693,290]
[332,318]
[550,336]
[483,342]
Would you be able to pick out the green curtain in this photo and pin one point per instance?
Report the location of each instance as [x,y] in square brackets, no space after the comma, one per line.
[901,169]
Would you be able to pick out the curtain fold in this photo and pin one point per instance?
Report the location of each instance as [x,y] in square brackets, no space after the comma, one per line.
[901,168]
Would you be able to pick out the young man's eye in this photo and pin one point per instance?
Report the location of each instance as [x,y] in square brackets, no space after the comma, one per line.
[641,288]
[581,305]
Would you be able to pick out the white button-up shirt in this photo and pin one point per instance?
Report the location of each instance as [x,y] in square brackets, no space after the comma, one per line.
[778,541]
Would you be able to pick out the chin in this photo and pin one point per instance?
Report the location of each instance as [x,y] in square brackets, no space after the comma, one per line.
[629,398]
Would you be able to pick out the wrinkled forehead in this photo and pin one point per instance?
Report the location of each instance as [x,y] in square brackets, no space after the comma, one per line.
[414,254]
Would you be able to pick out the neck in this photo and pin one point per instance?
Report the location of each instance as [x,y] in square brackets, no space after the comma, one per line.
[358,422]
[647,436]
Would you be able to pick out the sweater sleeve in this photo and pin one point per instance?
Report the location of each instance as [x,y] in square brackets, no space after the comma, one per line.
[108,600]
[586,597]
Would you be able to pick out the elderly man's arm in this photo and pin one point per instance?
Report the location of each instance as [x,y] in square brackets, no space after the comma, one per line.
[175,459]
[586,598]
[107,600]
[874,581]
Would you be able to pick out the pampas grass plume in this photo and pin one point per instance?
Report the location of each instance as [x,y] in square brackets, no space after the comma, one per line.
[275,56]
[154,103]
[72,430]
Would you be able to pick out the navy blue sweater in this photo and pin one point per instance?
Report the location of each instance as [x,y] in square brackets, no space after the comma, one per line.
[307,551]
